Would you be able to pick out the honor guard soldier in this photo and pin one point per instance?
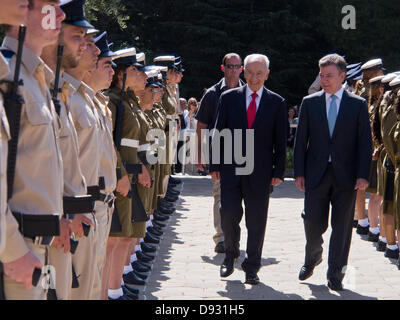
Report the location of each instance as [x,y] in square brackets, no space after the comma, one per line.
[35,196]
[370,69]
[65,55]
[387,120]
[100,79]
[129,217]
[88,128]
[12,13]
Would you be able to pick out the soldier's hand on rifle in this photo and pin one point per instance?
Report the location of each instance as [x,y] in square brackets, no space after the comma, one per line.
[144,178]
[21,270]
[62,241]
[123,186]
[76,224]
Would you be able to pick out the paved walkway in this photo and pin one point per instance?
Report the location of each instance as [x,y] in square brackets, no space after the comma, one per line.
[186,266]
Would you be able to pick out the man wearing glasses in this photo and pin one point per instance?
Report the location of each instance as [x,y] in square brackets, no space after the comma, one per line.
[232,68]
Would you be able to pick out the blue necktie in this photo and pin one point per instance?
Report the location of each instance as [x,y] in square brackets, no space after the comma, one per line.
[332,114]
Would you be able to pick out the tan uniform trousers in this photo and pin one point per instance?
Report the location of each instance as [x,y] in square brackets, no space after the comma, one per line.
[84,262]
[14,290]
[219,235]
[62,262]
[104,218]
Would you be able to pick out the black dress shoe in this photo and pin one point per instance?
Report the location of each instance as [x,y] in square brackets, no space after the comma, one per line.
[307,271]
[175,180]
[140,275]
[158,224]
[150,239]
[355,223]
[381,246]
[132,279]
[171,199]
[172,192]
[362,230]
[123,297]
[158,213]
[227,267]
[144,257]
[392,254]
[128,293]
[140,267]
[147,248]
[165,211]
[335,284]
[373,237]
[160,216]
[155,231]
[131,289]
[163,202]
[220,247]
[252,278]
[153,235]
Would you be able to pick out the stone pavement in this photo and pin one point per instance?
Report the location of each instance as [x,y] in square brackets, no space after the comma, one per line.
[186,266]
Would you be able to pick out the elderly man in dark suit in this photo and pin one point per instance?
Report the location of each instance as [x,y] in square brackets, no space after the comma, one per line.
[332,157]
[264,113]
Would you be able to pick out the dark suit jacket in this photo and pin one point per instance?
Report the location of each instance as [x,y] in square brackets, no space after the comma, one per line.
[269,136]
[350,146]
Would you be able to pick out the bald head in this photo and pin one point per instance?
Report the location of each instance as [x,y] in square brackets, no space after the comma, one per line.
[260,58]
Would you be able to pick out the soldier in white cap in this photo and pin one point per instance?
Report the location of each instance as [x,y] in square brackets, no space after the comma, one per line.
[370,69]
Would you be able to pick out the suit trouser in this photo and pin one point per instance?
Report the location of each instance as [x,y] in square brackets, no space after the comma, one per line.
[219,235]
[16,290]
[84,262]
[103,218]
[317,203]
[256,207]
[62,263]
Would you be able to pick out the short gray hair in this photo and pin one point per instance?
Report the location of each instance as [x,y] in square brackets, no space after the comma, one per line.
[334,59]
[256,57]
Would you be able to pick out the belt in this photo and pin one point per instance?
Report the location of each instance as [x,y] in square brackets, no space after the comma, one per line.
[144,147]
[78,205]
[131,143]
[40,228]
[106,198]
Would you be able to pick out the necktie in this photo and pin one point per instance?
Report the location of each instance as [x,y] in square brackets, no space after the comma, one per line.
[332,114]
[252,110]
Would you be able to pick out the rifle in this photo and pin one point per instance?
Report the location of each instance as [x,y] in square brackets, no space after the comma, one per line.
[56,89]
[119,117]
[13,102]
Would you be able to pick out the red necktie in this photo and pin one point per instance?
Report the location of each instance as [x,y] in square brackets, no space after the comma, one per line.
[252,110]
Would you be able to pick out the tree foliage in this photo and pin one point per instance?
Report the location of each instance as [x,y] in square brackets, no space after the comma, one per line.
[293,34]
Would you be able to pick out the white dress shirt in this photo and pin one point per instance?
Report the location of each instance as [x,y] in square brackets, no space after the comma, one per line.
[328,98]
[249,92]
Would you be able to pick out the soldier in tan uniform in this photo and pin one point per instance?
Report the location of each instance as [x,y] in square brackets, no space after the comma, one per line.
[74,181]
[12,13]
[395,138]
[387,119]
[100,79]
[38,185]
[370,69]
[130,171]
[88,128]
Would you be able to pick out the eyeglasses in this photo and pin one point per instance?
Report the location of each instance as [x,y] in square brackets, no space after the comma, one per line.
[233,66]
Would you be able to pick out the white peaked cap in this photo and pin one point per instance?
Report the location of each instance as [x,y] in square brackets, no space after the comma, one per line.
[378,78]
[129,52]
[371,63]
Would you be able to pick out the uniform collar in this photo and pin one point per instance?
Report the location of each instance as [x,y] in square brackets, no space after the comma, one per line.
[4,69]
[30,60]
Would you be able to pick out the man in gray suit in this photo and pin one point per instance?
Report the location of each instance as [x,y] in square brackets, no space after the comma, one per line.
[332,157]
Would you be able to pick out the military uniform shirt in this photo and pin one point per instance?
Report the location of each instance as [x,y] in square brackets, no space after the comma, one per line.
[38,183]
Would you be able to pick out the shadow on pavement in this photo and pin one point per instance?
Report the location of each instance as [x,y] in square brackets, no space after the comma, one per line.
[162,263]
[237,290]
[322,292]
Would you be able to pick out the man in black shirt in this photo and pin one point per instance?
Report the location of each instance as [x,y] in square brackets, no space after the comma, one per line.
[206,115]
